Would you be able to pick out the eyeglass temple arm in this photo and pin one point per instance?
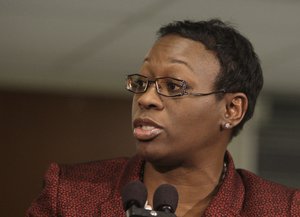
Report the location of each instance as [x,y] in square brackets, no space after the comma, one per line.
[206,94]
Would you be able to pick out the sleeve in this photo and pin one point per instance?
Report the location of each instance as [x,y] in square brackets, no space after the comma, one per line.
[295,207]
[46,203]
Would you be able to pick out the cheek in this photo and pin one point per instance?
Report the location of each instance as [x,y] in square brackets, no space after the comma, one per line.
[195,118]
[134,106]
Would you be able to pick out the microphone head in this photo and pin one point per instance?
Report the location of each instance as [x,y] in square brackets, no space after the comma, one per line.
[134,193]
[165,198]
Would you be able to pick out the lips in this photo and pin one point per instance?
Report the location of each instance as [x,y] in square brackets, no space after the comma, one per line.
[146,129]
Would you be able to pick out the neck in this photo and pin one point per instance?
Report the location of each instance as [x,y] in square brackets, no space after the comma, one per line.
[196,186]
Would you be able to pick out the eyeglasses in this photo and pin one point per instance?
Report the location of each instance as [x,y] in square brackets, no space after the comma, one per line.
[165,86]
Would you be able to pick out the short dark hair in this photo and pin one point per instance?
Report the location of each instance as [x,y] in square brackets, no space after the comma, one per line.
[240,67]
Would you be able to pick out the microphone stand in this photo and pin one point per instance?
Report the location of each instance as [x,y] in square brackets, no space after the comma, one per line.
[134,211]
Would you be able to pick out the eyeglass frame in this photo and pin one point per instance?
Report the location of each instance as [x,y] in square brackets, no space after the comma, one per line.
[183,82]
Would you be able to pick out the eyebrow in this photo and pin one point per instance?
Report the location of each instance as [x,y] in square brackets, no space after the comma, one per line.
[174,60]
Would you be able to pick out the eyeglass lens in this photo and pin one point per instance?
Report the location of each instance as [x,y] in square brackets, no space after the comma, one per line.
[165,86]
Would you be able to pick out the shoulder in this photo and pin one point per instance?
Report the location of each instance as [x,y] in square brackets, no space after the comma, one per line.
[81,188]
[269,196]
[96,171]
[96,180]
[258,185]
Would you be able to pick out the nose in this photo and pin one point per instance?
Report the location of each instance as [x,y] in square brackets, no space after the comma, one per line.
[150,99]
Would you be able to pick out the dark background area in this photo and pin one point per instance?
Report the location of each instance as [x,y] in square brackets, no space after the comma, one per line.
[279,136]
[39,128]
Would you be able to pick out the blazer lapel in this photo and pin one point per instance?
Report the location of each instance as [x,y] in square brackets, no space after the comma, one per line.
[113,207]
[230,197]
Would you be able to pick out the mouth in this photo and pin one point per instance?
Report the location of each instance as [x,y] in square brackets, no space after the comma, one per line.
[146,129]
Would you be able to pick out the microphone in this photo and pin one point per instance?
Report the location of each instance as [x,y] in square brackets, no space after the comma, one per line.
[134,196]
[165,198]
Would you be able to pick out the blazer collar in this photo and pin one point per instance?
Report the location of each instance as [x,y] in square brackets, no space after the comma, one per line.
[229,199]
[227,202]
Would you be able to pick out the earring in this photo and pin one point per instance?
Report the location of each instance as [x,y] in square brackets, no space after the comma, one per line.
[227,125]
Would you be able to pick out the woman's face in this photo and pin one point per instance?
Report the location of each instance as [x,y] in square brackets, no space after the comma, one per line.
[178,130]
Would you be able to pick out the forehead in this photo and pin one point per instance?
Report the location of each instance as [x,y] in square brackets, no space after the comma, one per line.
[191,56]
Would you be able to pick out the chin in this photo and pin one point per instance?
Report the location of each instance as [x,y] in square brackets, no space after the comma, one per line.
[148,151]
[145,152]
[156,156]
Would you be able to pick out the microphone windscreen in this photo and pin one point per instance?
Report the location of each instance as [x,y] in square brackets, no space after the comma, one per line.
[165,196]
[134,193]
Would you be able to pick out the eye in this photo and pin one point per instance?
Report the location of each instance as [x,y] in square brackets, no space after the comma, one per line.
[170,87]
[139,82]
[173,85]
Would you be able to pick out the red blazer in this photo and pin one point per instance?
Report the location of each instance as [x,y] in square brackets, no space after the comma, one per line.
[93,189]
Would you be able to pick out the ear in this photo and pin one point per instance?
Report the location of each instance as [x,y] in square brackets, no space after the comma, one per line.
[236,107]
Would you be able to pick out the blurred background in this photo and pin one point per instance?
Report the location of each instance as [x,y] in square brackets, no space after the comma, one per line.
[62,97]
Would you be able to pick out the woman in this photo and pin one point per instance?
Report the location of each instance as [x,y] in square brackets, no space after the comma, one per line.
[196,88]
